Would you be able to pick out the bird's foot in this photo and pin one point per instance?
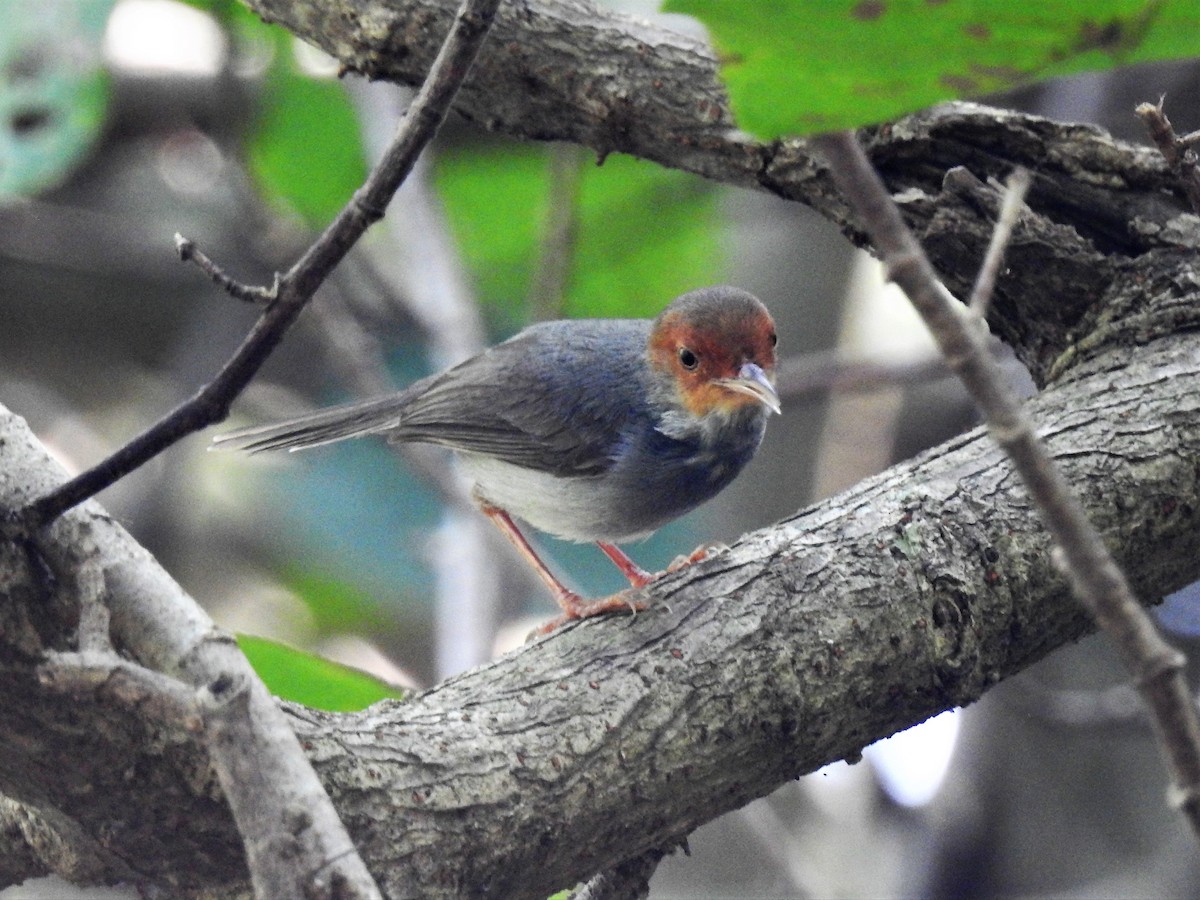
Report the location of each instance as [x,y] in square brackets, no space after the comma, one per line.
[575,607]
[704,551]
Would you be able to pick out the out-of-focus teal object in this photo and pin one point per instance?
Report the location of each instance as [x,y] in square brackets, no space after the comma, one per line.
[53,90]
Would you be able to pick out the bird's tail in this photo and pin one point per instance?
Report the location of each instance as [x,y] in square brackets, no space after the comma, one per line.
[321,427]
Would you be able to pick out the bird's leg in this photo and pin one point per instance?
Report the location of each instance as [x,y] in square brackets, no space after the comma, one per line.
[637,576]
[573,606]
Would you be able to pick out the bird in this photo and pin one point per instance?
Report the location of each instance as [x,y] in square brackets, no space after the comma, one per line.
[590,430]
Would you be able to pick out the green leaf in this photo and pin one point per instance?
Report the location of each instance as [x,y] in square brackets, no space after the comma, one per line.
[304,678]
[53,90]
[795,67]
[304,150]
[336,605]
[645,233]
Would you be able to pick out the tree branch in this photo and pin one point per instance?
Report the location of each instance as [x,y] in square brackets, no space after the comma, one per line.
[464,35]
[567,70]
[911,593]
[1099,583]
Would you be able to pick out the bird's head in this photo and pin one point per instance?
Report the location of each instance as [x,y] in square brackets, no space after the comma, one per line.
[716,347]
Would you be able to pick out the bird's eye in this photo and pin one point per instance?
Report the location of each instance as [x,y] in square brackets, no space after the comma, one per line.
[688,359]
[773,339]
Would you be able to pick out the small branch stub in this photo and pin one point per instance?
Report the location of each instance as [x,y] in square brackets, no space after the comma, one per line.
[189,252]
[1178,151]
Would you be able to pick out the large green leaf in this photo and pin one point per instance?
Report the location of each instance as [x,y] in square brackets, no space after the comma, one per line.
[312,680]
[645,233]
[53,89]
[795,66]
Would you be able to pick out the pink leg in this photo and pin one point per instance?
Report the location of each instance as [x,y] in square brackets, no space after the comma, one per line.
[573,606]
[637,576]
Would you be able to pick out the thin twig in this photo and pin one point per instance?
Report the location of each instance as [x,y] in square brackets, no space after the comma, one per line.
[294,289]
[1177,151]
[1097,581]
[811,376]
[1010,210]
[189,252]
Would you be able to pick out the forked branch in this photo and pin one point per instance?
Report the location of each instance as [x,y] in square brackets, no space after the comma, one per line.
[1097,581]
[293,290]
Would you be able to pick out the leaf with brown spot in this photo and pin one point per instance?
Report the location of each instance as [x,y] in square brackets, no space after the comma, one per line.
[794,67]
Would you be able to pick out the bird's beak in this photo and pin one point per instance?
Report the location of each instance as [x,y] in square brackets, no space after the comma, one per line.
[753,381]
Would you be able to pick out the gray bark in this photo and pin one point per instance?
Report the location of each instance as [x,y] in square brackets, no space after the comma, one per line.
[566,70]
[911,593]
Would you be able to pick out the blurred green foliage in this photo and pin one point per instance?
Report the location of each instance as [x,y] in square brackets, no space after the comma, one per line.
[311,680]
[303,147]
[304,150]
[645,234]
[796,67]
[54,90]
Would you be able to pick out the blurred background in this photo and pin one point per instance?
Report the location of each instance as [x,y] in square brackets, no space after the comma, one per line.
[127,121]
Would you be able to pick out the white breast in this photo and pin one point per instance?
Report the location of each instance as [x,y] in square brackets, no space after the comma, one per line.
[576,509]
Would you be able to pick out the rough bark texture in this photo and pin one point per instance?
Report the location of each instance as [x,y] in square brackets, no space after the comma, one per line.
[560,70]
[565,70]
[911,593]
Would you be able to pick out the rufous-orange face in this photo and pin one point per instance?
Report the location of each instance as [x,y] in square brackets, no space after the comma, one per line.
[721,356]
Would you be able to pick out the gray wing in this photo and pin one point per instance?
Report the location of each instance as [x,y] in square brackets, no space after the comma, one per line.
[557,398]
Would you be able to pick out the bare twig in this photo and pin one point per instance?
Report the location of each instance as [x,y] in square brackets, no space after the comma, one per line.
[189,252]
[295,288]
[1095,577]
[1178,151]
[1010,210]
[811,376]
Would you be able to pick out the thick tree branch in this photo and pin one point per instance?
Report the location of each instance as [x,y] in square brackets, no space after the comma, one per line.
[567,70]
[913,592]
[1099,583]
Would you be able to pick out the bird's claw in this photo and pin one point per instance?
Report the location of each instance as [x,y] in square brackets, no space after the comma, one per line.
[704,551]
[575,607]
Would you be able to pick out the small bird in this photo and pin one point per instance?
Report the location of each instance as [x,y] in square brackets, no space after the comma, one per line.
[589,429]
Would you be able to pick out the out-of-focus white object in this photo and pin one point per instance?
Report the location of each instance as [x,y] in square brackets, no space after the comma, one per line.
[165,36]
[912,765]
